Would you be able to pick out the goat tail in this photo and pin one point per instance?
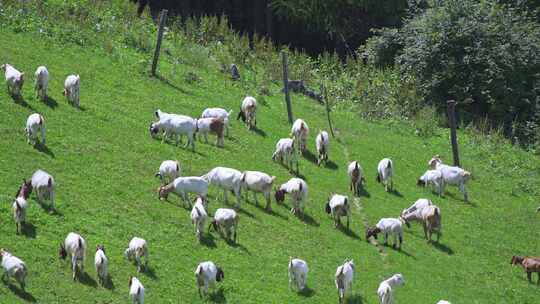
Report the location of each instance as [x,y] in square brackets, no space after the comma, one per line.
[198,271]
[389,165]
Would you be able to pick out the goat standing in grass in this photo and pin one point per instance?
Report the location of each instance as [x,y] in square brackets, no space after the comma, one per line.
[248,111]
[529,264]
[74,246]
[356,175]
[298,271]
[14,80]
[386,288]
[344,279]
[42,82]
[451,175]
[385,171]
[322,143]
[20,204]
[13,267]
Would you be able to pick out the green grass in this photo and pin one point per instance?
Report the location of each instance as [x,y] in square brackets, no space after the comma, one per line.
[103,160]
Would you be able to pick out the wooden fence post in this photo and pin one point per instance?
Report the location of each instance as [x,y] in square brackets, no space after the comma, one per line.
[451,108]
[286,87]
[162,20]
[325,96]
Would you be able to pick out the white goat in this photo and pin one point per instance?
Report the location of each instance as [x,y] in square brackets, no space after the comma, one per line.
[175,125]
[344,279]
[42,82]
[218,113]
[74,246]
[298,190]
[137,249]
[199,216]
[14,79]
[43,184]
[101,262]
[19,212]
[429,216]
[386,288]
[169,170]
[451,175]
[225,222]
[298,271]
[417,206]
[433,178]
[136,291]
[385,170]
[71,89]
[322,143]
[227,179]
[300,132]
[34,124]
[181,186]
[338,205]
[248,112]
[285,153]
[443,302]
[356,175]
[13,267]
[211,125]
[258,182]
[207,274]
[393,226]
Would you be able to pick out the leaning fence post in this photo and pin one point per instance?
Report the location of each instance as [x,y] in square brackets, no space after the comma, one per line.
[286,87]
[162,20]
[451,108]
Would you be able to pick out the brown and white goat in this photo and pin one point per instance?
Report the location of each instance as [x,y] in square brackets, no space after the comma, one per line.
[211,125]
[20,204]
[429,216]
[356,176]
[529,264]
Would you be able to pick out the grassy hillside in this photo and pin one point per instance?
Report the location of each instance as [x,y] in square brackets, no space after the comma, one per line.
[103,160]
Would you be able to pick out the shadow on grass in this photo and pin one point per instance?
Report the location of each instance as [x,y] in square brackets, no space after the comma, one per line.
[244,211]
[44,149]
[307,292]
[395,192]
[459,198]
[22,294]
[218,296]
[87,280]
[149,271]
[207,240]
[29,230]
[20,101]
[310,156]
[233,244]
[330,165]
[306,218]
[271,212]
[354,299]
[362,192]
[172,85]
[348,232]
[50,102]
[50,210]
[258,131]
[109,284]
[443,248]
[180,145]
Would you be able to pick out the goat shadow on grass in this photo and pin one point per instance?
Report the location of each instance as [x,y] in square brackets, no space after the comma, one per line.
[307,292]
[271,212]
[22,102]
[258,131]
[29,230]
[244,211]
[459,198]
[354,299]
[306,218]
[329,164]
[21,293]
[401,251]
[395,192]
[443,248]
[87,280]
[310,156]
[218,296]
[172,85]
[44,149]
[109,284]
[181,145]
[149,271]
[363,192]
[348,232]
[49,209]
[207,240]
[233,244]
[50,102]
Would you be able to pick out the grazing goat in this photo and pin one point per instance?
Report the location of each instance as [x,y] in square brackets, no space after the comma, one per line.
[211,125]
[207,274]
[71,89]
[248,112]
[43,184]
[356,175]
[385,170]
[416,207]
[227,179]
[387,226]
[74,246]
[13,267]
[175,125]
[338,205]
[101,262]
[386,288]
[136,291]
[137,249]
[298,271]
[14,79]
[34,124]
[322,143]
[258,182]
[181,186]
[433,178]
[199,216]
[529,264]
[428,214]
[169,170]
[300,132]
[218,113]
[285,149]
[451,175]
[42,82]
[443,302]
[20,204]
[225,222]
[298,190]
[344,279]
